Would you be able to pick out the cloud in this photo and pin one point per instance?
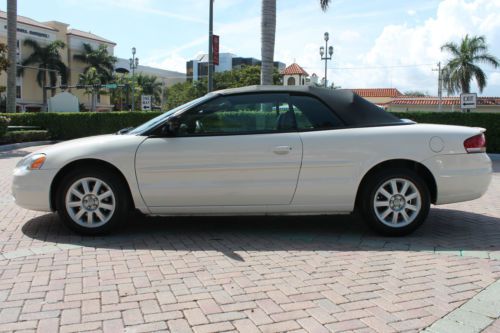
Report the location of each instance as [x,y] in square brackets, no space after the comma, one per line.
[411,45]
[411,12]
[144,6]
[348,35]
[171,62]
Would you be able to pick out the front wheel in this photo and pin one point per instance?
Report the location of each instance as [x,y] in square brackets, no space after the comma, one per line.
[395,202]
[92,202]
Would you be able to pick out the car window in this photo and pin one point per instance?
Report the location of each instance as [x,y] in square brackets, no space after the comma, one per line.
[312,114]
[161,118]
[252,113]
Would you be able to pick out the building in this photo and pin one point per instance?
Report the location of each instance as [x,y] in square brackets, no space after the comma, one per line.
[392,99]
[167,77]
[198,68]
[379,96]
[449,104]
[294,75]
[29,93]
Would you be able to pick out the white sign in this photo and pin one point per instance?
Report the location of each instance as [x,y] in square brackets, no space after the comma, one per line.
[146,102]
[468,101]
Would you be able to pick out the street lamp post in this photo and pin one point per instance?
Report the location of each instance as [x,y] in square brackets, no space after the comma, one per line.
[134,63]
[324,56]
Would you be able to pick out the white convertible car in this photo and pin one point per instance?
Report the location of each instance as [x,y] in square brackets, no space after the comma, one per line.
[260,150]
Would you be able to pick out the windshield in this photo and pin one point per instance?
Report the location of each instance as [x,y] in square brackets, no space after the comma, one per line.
[158,120]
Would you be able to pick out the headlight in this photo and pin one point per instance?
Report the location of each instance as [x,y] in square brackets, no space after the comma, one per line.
[32,162]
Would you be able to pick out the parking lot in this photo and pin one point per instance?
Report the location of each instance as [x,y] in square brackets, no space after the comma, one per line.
[252,274]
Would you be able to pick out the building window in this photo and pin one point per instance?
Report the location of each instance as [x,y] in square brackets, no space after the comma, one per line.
[18,91]
[291,81]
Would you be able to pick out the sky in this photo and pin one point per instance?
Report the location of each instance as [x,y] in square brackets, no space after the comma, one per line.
[377,44]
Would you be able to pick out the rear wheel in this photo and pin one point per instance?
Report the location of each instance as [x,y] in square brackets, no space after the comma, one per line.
[92,202]
[395,202]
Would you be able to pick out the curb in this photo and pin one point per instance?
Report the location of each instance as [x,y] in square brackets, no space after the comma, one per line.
[20,145]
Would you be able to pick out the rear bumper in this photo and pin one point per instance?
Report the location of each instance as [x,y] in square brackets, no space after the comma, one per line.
[460,177]
[31,188]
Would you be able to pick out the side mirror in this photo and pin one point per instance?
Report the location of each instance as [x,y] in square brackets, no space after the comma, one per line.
[170,128]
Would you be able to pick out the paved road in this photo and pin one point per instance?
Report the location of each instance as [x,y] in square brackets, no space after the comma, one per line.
[265,274]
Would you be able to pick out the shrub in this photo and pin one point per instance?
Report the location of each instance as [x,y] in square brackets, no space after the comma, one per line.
[63,126]
[490,121]
[4,122]
[26,136]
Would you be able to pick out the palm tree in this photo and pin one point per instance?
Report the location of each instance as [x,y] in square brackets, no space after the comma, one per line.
[150,85]
[98,58]
[268,33]
[462,68]
[91,79]
[11,54]
[49,63]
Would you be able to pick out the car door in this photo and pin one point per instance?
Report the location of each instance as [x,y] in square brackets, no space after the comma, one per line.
[238,150]
[330,160]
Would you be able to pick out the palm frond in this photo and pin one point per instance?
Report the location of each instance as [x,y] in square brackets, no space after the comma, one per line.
[324,4]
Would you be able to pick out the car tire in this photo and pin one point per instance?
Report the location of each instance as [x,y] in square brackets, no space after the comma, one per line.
[395,202]
[92,202]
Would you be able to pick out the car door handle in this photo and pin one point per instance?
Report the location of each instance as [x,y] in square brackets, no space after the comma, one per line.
[282,150]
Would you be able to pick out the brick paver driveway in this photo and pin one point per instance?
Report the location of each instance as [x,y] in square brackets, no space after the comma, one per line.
[303,274]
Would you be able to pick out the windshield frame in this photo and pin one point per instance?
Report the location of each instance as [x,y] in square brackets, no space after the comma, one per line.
[152,124]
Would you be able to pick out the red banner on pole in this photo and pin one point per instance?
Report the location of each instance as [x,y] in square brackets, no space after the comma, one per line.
[215,48]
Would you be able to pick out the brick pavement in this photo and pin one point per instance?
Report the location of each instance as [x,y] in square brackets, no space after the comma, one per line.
[293,274]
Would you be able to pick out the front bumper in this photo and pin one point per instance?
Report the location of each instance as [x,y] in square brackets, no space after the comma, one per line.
[31,188]
[460,177]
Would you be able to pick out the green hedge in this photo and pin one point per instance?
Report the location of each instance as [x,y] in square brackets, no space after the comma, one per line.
[490,121]
[4,122]
[62,126]
[25,136]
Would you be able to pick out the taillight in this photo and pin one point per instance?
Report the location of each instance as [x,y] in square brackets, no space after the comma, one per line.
[475,144]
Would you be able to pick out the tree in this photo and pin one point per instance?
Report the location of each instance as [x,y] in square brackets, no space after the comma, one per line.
[4,65]
[184,92]
[100,59]
[268,34]
[150,86]
[181,93]
[245,76]
[92,81]
[462,67]
[4,62]
[120,96]
[416,93]
[49,63]
[12,54]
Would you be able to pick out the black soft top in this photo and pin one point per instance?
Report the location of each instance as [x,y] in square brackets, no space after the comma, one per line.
[353,109]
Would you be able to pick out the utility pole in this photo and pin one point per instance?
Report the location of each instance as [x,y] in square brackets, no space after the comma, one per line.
[11,55]
[440,86]
[210,47]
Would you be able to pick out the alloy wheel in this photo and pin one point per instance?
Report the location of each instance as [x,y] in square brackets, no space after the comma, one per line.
[90,202]
[397,202]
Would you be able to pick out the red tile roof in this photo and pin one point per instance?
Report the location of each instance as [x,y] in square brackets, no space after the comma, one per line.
[88,35]
[27,21]
[378,92]
[294,69]
[446,101]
